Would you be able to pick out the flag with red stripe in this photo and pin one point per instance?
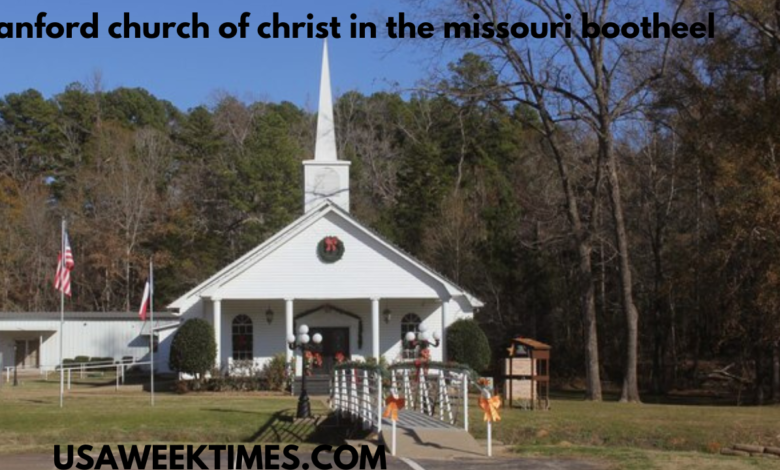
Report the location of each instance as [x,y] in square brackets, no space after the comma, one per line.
[145,301]
[62,276]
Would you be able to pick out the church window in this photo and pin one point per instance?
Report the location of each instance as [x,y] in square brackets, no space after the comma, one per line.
[242,338]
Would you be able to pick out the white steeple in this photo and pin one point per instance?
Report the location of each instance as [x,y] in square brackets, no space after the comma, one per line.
[326,177]
[325,150]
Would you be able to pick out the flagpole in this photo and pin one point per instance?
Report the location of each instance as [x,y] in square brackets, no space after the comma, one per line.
[62,312]
[151,323]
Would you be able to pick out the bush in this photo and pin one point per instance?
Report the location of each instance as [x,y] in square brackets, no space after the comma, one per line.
[275,373]
[222,384]
[193,350]
[467,344]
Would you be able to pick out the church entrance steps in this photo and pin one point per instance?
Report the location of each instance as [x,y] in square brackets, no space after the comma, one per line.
[315,385]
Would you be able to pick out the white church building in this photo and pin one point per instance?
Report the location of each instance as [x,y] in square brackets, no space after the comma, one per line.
[328,271]
[325,270]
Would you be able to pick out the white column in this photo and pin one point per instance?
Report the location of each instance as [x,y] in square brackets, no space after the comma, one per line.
[218,328]
[288,326]
[444,323]
[375,328]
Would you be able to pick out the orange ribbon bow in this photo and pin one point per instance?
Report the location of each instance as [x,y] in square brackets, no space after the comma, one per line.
[392,405]
[490,406]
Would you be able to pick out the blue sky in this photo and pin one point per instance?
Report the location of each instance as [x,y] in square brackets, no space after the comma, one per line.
[190,72]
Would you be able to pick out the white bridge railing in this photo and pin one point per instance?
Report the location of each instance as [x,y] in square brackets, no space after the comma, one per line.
[436,392]
[358,391]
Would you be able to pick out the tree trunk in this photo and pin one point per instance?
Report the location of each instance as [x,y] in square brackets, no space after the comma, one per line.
[758,363]
[776,372]
[630,391]
[659,343]
[586,286]
[592,373]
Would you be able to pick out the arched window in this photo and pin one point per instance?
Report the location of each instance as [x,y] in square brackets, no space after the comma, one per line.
[242,338]
[410,322]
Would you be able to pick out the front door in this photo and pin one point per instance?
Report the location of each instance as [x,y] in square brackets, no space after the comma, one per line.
[334,341]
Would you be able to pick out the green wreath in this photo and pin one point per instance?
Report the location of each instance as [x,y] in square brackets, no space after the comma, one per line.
[330,249]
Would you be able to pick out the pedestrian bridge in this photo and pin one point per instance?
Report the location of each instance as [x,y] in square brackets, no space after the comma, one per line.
[433,402]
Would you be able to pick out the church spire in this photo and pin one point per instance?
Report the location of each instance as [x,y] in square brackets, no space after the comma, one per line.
[325,178]
[325,149]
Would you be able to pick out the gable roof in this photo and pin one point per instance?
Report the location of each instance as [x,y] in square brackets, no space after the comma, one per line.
[296,227]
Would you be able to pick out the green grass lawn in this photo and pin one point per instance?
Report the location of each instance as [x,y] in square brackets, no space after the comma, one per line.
[646,426]
[30,417]
[648,436]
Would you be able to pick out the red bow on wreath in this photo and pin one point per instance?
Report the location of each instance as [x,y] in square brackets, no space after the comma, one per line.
[331,244]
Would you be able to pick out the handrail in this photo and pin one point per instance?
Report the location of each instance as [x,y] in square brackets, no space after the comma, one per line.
[439,390]
[121,365]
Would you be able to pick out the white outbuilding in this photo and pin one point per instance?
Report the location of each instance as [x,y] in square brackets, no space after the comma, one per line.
[30,340]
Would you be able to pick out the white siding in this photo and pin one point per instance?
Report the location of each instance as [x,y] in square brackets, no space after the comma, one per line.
[92,338]
[293,270]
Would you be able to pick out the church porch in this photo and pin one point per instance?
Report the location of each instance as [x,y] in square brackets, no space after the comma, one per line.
[358,329]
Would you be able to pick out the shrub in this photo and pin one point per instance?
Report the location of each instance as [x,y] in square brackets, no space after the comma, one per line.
[275,373]
[193,350]
[467,344]
[222,384]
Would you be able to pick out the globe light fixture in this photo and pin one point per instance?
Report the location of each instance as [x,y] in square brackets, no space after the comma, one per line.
[301,342]
[422,335]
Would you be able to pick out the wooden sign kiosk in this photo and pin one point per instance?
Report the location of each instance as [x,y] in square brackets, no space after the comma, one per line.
[527,374]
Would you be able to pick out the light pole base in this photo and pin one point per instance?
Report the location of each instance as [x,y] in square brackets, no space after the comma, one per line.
[304,408]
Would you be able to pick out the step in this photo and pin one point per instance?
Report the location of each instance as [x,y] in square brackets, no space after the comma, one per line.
[315,385]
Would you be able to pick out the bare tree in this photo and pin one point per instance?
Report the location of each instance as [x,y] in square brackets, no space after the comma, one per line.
[594,82]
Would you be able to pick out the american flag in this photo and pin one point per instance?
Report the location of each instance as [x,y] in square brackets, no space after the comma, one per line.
[62,277]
